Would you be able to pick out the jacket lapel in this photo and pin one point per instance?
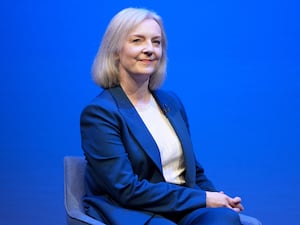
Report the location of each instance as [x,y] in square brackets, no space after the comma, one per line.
[172,112]
[143,136]
[136,125]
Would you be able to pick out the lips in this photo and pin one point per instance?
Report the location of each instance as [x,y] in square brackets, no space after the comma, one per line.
[147,60]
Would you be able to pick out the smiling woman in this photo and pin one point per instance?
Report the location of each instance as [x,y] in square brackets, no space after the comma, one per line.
[141,166]
[140,55]
[234,64]
[120,31]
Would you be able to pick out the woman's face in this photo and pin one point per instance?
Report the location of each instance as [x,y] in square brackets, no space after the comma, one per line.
[141,52]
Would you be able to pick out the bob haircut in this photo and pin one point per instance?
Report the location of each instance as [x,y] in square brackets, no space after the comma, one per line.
[105,67]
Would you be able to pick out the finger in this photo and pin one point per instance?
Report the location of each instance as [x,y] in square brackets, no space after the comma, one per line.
[236,210]
[237,199]
[237,205]
[228,205]
[240,206]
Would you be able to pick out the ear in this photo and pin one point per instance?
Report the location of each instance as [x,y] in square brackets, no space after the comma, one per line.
[117,59]
[116,56]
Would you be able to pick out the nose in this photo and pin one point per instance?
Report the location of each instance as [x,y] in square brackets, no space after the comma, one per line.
[148,48]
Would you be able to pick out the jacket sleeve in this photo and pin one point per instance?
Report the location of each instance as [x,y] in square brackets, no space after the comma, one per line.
[110,173]
[201,179]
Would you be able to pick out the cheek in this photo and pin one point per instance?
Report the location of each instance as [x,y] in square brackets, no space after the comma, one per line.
[131,51]
[125,56]
[159,53]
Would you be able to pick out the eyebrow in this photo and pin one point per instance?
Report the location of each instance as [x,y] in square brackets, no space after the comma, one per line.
[140,35]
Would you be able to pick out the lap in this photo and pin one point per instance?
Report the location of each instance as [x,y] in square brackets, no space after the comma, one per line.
[211,216]
[159,220]
[208,216]
[248,220]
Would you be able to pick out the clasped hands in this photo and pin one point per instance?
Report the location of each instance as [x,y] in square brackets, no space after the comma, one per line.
[219,199]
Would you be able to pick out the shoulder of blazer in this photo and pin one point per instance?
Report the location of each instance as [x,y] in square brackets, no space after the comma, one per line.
[167,97]
[170,102]
[109,99]
[103,105]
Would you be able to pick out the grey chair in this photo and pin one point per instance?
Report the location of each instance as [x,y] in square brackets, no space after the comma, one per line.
[74,167]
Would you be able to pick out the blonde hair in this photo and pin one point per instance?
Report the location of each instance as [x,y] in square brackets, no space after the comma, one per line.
[105,69]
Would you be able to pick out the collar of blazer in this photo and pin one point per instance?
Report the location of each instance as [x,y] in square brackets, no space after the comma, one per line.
[172,108]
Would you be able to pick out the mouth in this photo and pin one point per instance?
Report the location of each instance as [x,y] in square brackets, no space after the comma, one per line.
[147,60]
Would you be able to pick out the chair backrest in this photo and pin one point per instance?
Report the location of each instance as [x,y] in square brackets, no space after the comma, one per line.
[74,169]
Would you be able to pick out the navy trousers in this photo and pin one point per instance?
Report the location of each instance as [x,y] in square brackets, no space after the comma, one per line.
[208,216]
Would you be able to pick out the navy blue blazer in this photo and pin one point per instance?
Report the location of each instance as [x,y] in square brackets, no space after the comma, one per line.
[124,179]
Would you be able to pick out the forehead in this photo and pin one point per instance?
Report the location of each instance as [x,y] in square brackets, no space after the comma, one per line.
[148,27]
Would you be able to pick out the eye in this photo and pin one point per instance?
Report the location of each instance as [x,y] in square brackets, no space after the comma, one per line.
[136,40]
[156,42]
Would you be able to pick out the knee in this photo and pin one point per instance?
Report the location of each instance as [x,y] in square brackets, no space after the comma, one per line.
[230,216]
[248,220]
[212,216]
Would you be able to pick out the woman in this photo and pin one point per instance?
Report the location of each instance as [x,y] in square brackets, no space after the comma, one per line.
[141,168]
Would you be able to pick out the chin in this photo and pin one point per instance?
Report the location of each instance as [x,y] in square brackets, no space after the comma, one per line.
[148,72]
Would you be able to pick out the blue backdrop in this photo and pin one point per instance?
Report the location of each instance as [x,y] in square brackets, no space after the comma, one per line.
[235,65]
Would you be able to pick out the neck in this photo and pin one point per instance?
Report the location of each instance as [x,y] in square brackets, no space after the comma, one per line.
[138,95]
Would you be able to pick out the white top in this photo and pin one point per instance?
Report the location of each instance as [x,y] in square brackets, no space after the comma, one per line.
[166,140]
